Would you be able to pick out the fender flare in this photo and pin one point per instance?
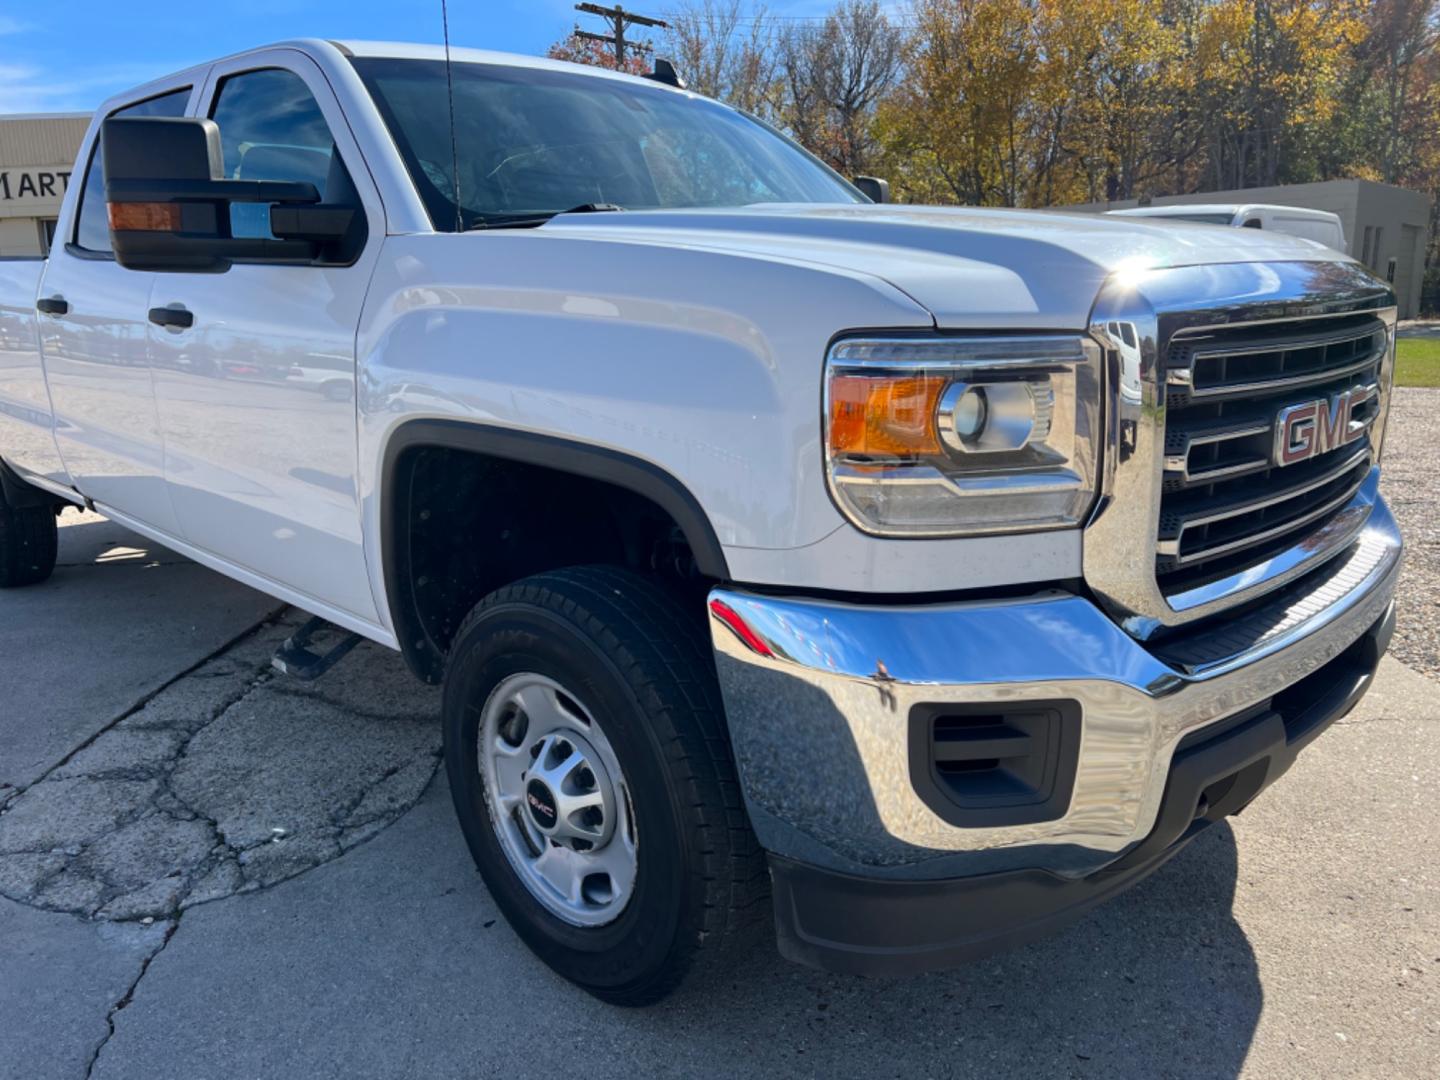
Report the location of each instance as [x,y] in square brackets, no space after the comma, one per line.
[552,452]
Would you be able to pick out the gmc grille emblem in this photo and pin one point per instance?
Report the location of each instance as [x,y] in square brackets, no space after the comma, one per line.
[1317,427]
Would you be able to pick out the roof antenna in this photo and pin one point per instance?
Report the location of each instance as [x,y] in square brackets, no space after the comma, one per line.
[450,92]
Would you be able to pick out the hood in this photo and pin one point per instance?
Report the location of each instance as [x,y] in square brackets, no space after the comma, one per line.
[969,268]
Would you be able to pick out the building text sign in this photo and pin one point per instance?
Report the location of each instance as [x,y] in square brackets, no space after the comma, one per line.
[32,191]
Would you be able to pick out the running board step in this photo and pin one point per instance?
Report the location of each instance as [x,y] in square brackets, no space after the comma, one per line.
[299,658]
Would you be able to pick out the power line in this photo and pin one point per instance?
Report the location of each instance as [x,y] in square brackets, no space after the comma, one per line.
[896,17]
[619,19]
[797,22]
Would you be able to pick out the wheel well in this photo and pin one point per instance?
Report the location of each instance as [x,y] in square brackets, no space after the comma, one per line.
[16,493]
[469,509]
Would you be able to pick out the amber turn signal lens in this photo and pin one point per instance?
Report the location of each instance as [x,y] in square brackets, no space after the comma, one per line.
[144,217]
[887,415]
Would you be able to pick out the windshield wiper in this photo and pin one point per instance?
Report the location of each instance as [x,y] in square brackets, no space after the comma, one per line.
[530,220]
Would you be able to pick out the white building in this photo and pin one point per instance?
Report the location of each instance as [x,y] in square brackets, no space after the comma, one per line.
[1385,226]
[37,153]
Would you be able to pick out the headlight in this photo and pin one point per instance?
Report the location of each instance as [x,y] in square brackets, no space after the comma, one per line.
[952,436]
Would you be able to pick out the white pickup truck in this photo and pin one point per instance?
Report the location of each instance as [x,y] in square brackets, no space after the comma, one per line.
[937,573]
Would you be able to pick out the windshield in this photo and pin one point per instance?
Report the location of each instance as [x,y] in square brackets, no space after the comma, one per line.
[533,142]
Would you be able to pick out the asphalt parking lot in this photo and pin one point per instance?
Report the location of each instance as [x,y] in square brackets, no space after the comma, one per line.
[209,869]
[1419,328]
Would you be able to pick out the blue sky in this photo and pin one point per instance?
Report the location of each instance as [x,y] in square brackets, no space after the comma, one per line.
[69,55]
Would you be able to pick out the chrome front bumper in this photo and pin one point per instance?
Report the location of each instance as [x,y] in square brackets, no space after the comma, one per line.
[818,696]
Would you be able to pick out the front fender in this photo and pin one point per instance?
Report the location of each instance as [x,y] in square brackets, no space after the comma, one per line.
[704,365]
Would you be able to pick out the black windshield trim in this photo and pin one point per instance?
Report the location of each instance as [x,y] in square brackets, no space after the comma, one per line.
[529,219]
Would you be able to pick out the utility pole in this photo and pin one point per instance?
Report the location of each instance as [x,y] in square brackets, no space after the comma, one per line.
[619,19]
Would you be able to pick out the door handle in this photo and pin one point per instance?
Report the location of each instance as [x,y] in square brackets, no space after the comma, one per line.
[172,316]
[52,305]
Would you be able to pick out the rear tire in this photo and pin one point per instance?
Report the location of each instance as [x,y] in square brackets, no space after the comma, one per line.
[29,541]
[636,689]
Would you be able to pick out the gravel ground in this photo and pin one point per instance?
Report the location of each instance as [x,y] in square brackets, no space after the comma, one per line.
[1413,491]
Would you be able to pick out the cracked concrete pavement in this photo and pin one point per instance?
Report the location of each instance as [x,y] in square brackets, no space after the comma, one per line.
[165,614]
[229,779]
[208,869]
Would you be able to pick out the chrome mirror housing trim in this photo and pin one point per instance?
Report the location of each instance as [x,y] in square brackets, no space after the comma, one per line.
[1136,319]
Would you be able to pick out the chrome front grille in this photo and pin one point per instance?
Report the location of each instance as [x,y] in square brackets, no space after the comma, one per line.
[1212,371]
[1282,361]
[1224,502]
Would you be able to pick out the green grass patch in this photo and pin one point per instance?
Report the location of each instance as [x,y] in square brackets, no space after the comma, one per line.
[1417,362]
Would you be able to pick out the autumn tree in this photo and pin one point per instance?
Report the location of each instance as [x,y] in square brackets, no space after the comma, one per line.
[1110,98]
[1270,71]
[578,50]
[834,76]
[968,107]
[1393,71]
[1037,102]
[726,50]
[799,58]
[1398,89]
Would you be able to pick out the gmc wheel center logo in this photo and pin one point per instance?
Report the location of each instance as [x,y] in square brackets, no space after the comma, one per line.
[1317,427]
[542,804]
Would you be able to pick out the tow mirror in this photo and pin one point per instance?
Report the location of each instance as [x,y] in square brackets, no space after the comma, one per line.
[170,203]
[873,188]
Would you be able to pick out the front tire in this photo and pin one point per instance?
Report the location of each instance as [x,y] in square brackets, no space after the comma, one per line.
[29,542]
[591,772]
